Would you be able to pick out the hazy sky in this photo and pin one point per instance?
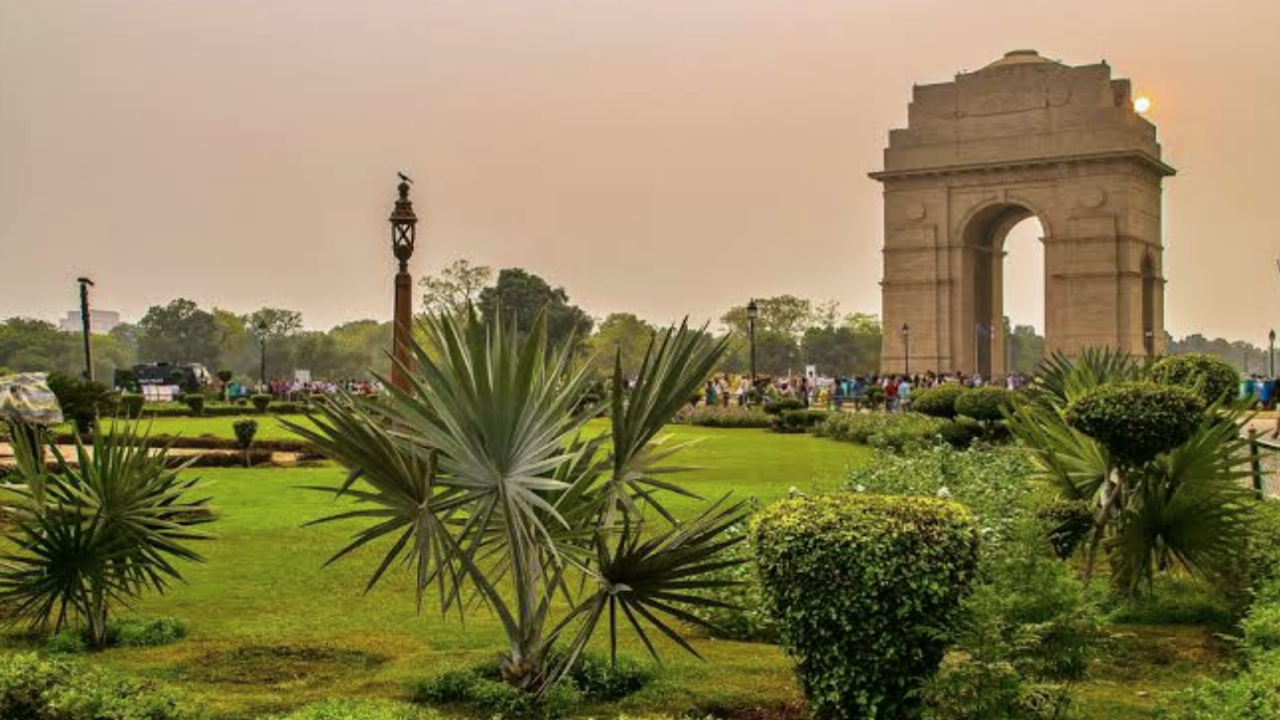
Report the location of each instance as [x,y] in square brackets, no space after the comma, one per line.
[657,156]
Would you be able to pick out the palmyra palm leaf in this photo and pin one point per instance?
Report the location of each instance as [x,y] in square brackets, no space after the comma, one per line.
[1061,379]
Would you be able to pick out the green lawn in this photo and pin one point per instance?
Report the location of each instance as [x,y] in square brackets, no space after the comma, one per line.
[271,628]
[269,425]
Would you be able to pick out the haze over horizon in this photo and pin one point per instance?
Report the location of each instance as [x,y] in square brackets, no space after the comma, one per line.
[658,158]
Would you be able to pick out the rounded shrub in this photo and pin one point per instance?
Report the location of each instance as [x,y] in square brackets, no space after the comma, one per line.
[781,405]
[863,588]
[195,401]
[261,402]
[984,404]
[1136,421]
[1210,376]
[939,401]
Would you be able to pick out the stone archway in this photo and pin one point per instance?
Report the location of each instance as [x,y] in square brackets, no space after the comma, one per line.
[1023,136]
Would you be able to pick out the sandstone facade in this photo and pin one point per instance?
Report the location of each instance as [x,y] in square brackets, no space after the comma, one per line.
[1023,136]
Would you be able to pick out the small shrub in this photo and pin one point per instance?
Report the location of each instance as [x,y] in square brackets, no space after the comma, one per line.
[261,402]
[68,641]
[722,417]
[862,587]
[1136,421]
[245,431]
[82,401]
[131,405]
[798,421]
[195,401]
[35,688]
[743,614]
[146,632]
[597,679]
[938,401]
[984,404]
[959,433]
[450,686]
[1211,377]
[781,405]
[895,431]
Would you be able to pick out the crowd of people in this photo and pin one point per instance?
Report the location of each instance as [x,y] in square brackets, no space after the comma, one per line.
[293,388]
[857,390]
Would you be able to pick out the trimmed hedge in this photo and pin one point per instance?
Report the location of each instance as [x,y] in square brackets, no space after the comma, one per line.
[1209,376]
[781,405]
[799,421]
[984,404]
[863,588]
[895,431]
[1136,421]
[195,401]
[131,405]
[937,401]
[722,417]
[261,402]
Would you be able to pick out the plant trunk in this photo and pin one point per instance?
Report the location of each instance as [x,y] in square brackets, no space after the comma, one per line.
[97,620]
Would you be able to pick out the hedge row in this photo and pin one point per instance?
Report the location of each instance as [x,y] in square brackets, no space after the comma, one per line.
[721,417]
[206,442]
[128,406]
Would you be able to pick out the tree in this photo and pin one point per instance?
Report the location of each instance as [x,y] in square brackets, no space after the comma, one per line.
[623,335]
[455,287]
[180,332]
[523,295]
[784,314]
[485,482]
[278,322]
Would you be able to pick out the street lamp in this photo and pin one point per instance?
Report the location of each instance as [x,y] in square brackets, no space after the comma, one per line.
[906,349]
[85,284]
[403,236]
[752,312]
[262,354]
[1271,337]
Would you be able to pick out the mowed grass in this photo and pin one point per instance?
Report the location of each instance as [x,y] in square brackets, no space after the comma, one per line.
[271,628]
[270,426]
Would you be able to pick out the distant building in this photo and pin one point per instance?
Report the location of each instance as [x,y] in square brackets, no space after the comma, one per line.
[100,321]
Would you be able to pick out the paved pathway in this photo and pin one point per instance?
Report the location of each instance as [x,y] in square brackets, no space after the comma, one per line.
[69,452]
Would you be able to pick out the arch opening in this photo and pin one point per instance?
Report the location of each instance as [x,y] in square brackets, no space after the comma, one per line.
[1009,286]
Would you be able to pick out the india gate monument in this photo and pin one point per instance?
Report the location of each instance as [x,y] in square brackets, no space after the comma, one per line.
[1024,136]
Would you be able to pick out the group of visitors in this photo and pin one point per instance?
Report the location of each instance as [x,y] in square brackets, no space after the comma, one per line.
[282,389]
[834,392]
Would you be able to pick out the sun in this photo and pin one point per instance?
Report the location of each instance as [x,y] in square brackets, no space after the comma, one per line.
[1142,105]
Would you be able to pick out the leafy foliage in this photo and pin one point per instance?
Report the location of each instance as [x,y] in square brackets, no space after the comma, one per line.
[82,401]
[719,416]
[131,405]
[984,404]
[938,401]
[781,405]
[895,431]
[261,402]
[1135,421]
[1209,376]
[479,479]
[100,532]
[195,401]
[799,421]
[863,588]
[35,688]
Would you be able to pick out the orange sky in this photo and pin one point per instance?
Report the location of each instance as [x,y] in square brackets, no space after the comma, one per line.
[656,156]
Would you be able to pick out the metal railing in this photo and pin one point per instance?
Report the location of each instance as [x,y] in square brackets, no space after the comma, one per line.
[1263,471]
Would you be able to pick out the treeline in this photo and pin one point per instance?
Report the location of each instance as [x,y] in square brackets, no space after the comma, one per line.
[790,333]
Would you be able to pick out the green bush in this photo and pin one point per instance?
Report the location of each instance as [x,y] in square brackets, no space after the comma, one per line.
[798,421]
[261,402]
[959,433]
[482,689]
[718,416]
[1136,421]
[939,401]
[781,405]
[984,404]
[125,632]
[864,589]
[82,401]
[896,431]
[245,431]
[35,688]
[1211,377]
[195,401]
[131,405]
[1067,523]
[359,710]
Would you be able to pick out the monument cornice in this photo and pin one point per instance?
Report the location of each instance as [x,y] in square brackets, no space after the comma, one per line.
[1155,165]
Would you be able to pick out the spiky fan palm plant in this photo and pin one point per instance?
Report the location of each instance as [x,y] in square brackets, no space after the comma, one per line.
[1186,507]
[97,533]
[481,481]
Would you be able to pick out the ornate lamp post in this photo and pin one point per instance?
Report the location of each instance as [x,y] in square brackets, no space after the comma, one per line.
[85,284]
[262,355]
[752,312]
[906,349]
[403,235]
